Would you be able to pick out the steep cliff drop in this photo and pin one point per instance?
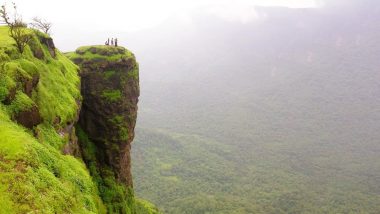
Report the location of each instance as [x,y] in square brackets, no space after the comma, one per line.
[110,90]
[39,104]
[43,148]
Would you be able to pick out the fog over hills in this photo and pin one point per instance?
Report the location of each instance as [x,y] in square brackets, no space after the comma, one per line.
[278,115]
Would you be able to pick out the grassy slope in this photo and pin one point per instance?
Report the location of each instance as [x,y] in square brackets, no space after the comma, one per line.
[34,175]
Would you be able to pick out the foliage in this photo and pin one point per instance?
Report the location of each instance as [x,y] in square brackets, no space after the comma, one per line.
[21,103]
[34,175]
[116,197]
[262,120]
[134,73]
[112,95]
[17,28]
[47,134]
[145,207]
[100,53]
[57,93]
[109,74]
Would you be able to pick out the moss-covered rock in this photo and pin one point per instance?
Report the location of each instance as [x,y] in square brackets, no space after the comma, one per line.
[110,89]
[41,162]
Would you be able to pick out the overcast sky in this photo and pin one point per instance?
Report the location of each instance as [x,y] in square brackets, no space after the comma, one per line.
[80,17]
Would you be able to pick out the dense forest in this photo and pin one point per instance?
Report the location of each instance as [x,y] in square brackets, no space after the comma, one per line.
[280,115]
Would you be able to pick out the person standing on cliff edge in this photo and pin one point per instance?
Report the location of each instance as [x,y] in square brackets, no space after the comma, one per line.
[112,41]
[115,42]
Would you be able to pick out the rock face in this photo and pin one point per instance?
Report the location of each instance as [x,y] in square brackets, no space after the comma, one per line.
[29,118]
[40,103]
[110,90]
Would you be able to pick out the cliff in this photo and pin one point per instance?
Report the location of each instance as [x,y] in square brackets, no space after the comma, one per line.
[43,166]
[110,89]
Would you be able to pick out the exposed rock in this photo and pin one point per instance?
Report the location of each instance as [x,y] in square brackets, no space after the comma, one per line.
[38,53]
[10,97]
[110,90]
[49,44]
[29,118]
[72,147]
[37,50]
[30,84]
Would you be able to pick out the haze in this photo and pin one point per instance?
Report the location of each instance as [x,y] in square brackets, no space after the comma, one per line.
[78,21]
[245,106]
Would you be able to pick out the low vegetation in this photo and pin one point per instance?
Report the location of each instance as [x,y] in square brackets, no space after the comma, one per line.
[35,176]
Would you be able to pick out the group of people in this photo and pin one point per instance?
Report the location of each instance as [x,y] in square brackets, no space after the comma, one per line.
[113,42]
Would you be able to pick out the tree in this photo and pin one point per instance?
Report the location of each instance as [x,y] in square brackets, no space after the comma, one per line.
[17,28]
[41,25]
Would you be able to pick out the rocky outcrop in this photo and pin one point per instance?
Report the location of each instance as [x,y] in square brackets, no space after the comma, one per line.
[72,146]
[110,90]
[29,118]
[49,44]
[40,103]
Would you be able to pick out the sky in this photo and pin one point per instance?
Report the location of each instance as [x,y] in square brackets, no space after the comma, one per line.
[76,18]
[141,14]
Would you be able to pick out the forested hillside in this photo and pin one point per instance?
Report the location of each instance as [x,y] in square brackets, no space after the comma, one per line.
[280,115]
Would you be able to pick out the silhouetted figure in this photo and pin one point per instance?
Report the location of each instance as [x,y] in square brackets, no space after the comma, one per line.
[112,41]
[115,42]
[108,41]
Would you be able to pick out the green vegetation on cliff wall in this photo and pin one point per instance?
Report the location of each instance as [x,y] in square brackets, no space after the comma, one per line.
[39,99]
[42,167]
[117,197]
[110,90]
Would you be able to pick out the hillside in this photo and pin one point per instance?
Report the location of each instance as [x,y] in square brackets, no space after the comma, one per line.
[280,115]
[43,166]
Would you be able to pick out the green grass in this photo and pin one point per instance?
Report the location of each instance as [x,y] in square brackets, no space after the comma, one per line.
[5,40]
[47,134]
[57,93]
[109,74]
[111,95]
[35,177]
[21,103]
[100,53]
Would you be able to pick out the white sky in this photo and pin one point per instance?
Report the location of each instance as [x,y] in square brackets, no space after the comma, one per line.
[81,22]
[140,14]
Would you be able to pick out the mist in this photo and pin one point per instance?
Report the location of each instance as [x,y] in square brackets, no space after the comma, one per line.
[245,106]
[282,110]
